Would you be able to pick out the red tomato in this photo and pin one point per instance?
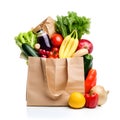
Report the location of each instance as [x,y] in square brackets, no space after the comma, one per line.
[55,49]
[51,57]
[50,54]
[56,39]
[54,53]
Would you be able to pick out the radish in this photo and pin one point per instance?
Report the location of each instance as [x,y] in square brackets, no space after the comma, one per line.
[84,43]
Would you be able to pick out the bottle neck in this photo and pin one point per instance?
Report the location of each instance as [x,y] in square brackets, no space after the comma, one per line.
[40,33]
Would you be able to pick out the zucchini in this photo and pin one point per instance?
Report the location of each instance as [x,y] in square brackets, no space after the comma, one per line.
[88,63]
[28,50]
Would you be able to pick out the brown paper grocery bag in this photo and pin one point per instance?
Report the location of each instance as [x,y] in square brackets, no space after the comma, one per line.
[75,72]
[50,81]
[48,25]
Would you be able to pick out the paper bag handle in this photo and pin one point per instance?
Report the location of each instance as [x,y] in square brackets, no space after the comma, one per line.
[50,91]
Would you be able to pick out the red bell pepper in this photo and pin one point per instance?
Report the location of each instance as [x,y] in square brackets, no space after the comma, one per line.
[91,100]
[90,80]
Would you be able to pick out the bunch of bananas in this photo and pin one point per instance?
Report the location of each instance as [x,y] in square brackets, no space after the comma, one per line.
[69,45]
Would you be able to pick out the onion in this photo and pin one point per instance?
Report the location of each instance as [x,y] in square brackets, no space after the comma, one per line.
[102,93]
[37,46]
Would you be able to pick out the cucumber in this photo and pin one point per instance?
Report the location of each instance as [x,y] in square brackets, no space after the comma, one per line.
[28,50]
[88,63]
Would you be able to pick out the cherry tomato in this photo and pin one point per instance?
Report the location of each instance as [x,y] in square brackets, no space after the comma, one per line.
[51,57]
[54,53]
[56,39]
[55,49]
[50,54]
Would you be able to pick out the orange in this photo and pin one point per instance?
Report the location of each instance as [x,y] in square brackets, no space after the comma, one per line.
[76,100]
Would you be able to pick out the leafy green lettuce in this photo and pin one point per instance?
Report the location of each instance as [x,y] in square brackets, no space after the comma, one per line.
[26,37]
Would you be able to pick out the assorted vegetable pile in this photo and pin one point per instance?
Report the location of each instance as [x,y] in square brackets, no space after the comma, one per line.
[64,39]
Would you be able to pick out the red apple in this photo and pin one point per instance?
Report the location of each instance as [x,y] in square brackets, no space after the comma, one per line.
[84,43]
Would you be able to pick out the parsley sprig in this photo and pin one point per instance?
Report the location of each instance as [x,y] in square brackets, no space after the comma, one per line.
[66,24]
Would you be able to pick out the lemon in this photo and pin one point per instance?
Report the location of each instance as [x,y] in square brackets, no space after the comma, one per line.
[76,100]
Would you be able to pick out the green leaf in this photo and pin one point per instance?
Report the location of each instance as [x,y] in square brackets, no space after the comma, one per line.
[66,24]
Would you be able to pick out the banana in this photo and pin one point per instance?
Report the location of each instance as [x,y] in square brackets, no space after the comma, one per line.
[68,48]
[69,45]
[63,46]
[73,48]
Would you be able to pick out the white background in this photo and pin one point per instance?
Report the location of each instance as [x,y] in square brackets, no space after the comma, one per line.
[20,16]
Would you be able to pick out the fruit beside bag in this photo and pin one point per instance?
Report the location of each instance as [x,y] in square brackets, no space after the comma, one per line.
[59,60]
